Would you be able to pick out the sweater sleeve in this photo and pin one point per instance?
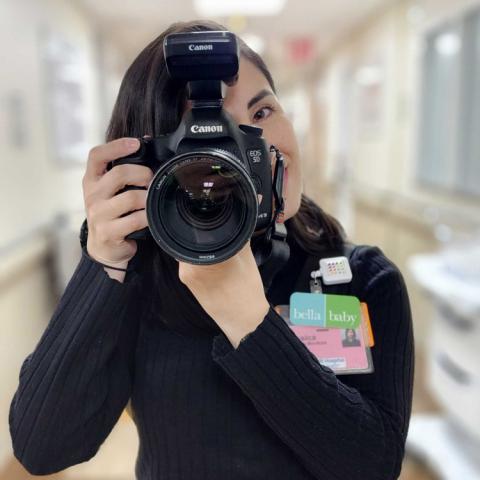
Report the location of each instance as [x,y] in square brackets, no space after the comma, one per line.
[75,384]
[342,427]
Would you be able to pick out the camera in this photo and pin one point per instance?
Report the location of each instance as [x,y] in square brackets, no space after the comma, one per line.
[202,205]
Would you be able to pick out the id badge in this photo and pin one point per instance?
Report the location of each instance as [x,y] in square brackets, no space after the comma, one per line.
[335,328]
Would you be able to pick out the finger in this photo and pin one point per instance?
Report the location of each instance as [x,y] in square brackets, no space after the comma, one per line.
[119,177]
[101,155]
[124,203]
[121,227]
[119,205]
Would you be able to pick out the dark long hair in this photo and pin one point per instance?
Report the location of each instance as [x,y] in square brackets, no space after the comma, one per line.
[150,103]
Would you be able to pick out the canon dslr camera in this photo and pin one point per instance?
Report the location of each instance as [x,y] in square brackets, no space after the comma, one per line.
[202,205]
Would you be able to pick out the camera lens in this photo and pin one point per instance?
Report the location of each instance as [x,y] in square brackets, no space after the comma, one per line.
[203,206]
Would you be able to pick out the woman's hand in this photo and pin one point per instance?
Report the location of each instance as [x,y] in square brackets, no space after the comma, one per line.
[231,292]
[107,228]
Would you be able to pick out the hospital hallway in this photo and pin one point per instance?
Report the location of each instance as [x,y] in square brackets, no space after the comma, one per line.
[384,101]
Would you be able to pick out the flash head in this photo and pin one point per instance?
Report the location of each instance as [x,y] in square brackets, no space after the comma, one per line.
[202,55]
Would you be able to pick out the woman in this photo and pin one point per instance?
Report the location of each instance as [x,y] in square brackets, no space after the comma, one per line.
[350,339]
[166,336]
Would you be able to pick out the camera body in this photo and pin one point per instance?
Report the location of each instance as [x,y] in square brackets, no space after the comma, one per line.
[203,201]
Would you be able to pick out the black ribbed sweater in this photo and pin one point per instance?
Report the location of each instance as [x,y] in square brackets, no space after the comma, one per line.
[204,410]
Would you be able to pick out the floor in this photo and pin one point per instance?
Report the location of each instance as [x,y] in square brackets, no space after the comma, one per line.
[117,455]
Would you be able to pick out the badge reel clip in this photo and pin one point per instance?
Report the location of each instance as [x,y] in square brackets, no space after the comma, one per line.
[333,271]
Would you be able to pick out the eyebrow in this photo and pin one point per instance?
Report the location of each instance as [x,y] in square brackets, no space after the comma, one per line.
[261,94]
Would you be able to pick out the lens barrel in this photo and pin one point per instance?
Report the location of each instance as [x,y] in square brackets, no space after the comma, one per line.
[202,206]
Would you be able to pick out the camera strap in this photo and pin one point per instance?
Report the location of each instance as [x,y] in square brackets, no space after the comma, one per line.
[272,254]
[272,251]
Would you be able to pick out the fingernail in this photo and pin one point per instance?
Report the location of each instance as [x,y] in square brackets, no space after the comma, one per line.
[132,143]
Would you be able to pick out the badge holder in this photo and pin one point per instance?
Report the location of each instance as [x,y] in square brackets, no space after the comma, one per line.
[271,250]
[335,328]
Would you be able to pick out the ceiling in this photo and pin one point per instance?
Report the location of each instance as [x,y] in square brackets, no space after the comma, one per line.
[138,21]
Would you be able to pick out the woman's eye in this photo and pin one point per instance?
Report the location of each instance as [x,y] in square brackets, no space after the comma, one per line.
[263,113]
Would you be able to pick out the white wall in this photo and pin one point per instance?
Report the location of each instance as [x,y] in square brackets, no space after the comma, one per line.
[383,159]
[33,187]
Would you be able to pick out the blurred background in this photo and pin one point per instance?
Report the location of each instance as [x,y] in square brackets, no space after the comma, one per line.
[385,101]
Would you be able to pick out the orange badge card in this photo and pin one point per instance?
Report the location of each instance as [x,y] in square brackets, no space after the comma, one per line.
[366,325]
